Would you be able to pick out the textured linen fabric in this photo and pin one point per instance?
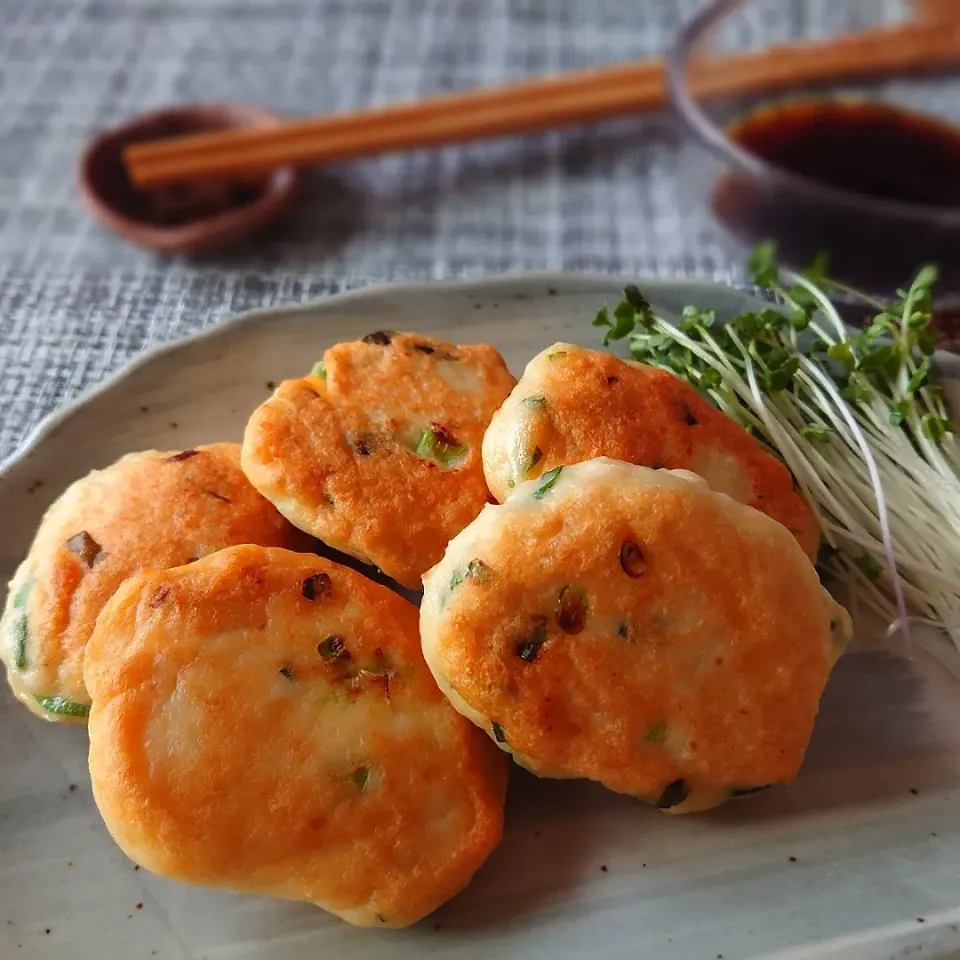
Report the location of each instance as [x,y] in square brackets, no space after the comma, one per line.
[76,302]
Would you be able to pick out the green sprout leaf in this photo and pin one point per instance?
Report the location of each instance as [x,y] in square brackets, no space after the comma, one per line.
[21,636]
[695,318]
[780,377]
[921,376]
[818,270]
[843,354]
[934,428]
[711,379]
[927,342]
[319,370]
[926,277]
[899,412]
[748,325]
[883,325]
[772,320]
[857,390]
[816,431]
[883,360]
[870,566]
[640,305]
[624,322]
[762,264]
[602,319]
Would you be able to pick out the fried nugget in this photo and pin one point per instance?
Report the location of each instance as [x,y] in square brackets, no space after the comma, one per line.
[264,721]
[151,509]
[634,627]
[573,404]
[377,452]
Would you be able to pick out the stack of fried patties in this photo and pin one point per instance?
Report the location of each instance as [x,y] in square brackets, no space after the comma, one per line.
[617,585]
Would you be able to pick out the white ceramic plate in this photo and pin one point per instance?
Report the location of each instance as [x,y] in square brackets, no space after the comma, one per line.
[860,858]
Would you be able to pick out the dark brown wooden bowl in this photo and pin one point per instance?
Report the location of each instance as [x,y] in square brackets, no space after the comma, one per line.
[190,219]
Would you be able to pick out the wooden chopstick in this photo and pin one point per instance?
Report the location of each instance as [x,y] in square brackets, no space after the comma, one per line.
[915,47]
[534,105]
[446,119]
[943,9]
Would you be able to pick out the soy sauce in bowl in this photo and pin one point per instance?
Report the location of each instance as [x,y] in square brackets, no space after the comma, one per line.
[868,148]
[876,185]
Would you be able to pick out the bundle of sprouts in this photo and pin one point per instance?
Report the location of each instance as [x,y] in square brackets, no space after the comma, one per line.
[856,416]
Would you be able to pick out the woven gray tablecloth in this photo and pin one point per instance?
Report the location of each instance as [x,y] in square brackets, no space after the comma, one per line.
[76,302]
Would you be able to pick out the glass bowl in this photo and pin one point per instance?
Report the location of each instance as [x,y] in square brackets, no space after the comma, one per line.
[742,196]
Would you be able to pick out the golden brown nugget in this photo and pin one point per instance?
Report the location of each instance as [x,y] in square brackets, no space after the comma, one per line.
[377,452]
[150,509]
[573,404]
[264,721]
[634,627]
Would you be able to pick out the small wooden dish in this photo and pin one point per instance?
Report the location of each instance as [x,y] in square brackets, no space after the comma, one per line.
[190,219]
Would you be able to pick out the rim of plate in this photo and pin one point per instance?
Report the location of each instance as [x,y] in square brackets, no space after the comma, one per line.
[41,430]
[56,417]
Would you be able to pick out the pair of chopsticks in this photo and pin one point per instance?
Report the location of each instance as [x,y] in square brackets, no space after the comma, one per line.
[574,98]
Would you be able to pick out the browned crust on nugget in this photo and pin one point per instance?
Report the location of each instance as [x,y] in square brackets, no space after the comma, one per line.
[336,454]
[597,405]
[224,747]
[149,509]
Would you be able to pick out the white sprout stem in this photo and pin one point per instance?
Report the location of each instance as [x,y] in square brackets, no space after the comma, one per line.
[932,457]
[881,500]
[924,572]
[823,302]
[876,304]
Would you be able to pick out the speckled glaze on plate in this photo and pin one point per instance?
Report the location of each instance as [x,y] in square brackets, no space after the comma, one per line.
[859,859]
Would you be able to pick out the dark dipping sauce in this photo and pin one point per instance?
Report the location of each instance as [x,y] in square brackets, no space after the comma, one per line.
[880,153]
